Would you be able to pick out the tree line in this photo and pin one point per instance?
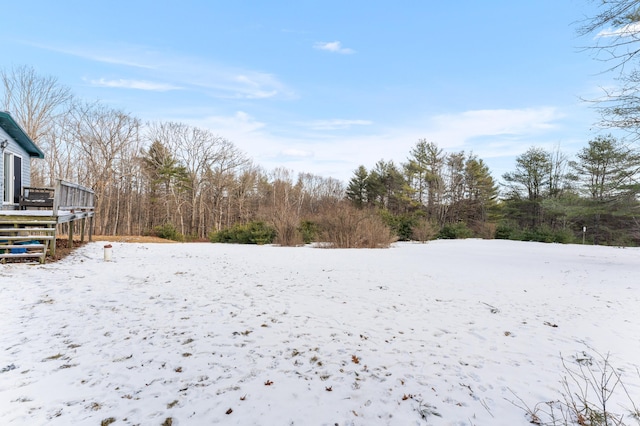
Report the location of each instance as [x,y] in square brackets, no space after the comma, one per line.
[186,182]
[433,192]
[170,176]
[547,197]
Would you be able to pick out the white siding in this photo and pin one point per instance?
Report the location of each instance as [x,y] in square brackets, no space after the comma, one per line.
[15,149]
[1,180]
[26,170]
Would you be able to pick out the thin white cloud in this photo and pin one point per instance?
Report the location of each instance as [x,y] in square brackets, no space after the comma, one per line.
[628,30]
[109,56]
[337,124]
[333,46]
[496,136]
[255,85]
[135,84]
[296,153]
[184,72]
[460,129]
[222,81]
[237,126]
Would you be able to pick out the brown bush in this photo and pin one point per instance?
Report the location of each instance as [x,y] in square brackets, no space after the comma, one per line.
[348,227]
[484,230]
[424,231]
[282,210]
[287,233]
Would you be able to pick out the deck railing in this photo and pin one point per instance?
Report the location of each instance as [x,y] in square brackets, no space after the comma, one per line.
[73,197]
[36,197]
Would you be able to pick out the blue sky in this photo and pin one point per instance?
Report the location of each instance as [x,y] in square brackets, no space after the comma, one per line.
[325,86]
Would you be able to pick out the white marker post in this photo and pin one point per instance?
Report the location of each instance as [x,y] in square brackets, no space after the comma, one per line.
[107,253]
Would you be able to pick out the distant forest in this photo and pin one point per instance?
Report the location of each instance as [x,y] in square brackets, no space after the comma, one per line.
[187,183]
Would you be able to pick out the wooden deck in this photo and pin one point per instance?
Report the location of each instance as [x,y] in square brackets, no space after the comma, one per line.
[31,233]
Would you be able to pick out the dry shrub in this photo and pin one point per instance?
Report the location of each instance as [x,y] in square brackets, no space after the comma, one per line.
[484,230]
[589,387]
[287,233]
[424,230]
[283,208]
[348,227]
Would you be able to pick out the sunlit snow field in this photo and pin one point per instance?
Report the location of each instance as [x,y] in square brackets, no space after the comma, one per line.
[465,332]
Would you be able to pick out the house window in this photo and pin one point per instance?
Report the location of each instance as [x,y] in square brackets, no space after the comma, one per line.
[12,179]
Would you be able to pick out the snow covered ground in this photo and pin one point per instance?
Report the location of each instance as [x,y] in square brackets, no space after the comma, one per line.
[444,333]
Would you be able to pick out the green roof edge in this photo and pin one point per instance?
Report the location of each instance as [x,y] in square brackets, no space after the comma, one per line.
[14,130]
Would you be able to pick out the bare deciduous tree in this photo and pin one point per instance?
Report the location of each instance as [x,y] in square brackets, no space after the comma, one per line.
[616,30]
[39,104]
[209,161]
[107,141]
[220,179]
[35,101]
[283,210]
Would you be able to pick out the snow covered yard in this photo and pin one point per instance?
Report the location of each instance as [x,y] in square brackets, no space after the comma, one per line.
[444,333]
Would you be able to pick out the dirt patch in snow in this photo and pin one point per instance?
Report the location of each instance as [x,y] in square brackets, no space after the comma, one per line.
[63,249]
[131,239]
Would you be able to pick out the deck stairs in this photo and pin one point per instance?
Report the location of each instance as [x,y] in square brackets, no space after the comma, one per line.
[26,237]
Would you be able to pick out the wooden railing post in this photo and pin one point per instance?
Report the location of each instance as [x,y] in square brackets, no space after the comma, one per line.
[56,196]
[70,243]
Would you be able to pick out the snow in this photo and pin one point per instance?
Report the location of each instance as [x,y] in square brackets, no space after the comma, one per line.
[262,335]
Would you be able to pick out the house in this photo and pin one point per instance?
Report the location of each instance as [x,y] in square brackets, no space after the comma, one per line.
[16,149]
[27,231]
